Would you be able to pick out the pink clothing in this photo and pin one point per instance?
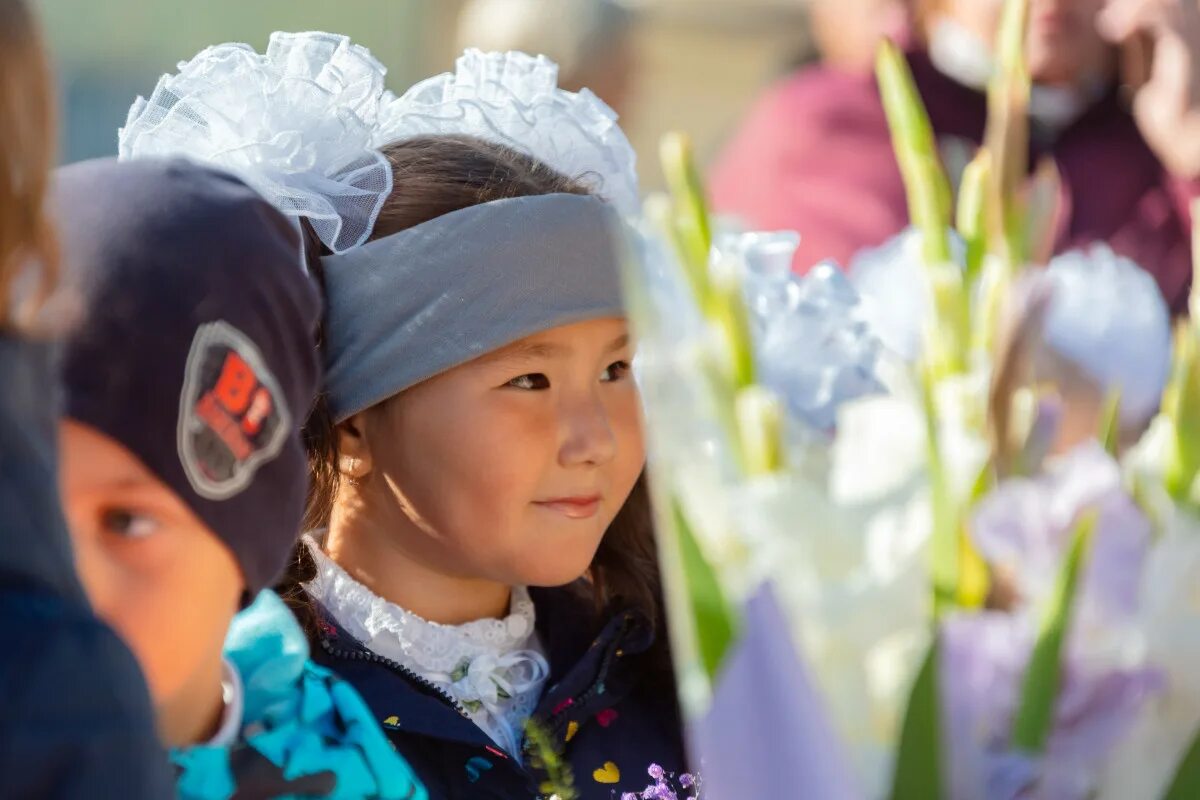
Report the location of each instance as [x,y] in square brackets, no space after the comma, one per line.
[815,156]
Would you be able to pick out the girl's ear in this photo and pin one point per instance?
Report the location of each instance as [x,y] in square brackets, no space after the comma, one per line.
[354,454]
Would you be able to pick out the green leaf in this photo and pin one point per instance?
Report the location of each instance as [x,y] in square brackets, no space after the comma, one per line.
[661,214]
[1186,783]
[715,628]
[995,280]
[918,773]
[1182,405]
[1007,137]
[691,217]
[760,428]
[1110,422]
[948,339]
[1039,690]
[971,217]
[945,537]
[929,207]
[926,185]
[728,311]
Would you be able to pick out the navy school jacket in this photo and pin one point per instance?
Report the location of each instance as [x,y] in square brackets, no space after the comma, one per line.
[76,720]
[603,718]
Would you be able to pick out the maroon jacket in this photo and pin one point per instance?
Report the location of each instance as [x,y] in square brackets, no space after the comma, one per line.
[815,156]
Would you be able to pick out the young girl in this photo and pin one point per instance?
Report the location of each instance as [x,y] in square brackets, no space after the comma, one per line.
[481,555]
[76,719]
[183,475]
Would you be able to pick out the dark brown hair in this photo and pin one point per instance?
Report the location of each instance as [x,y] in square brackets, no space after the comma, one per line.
[435,175]
[26,155]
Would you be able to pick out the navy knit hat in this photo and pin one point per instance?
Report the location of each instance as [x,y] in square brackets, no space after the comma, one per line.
[196,350]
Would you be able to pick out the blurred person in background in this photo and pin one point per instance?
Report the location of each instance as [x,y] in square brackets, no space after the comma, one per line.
[815,154]
[847,32]
[590,40]
[76,720]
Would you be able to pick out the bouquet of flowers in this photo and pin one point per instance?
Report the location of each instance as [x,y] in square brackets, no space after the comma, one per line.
[931,530]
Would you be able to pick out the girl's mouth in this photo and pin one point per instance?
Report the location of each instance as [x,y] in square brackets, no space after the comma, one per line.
[581,507]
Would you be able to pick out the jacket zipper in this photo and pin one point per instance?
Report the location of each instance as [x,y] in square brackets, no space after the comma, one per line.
[553,720]
[375,658]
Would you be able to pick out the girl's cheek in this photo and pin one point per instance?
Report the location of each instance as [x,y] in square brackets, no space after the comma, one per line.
[627,423]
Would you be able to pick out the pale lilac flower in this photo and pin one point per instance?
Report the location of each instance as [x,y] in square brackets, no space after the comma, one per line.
[1108,316]
[662,789]
[1024,528]
[769,728]
[984,656]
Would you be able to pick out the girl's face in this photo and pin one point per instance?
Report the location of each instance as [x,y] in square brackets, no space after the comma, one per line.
[508,468]
[151,569]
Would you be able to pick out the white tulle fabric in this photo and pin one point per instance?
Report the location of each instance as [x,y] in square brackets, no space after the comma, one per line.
[513,99]
[303,122]
[494,668]
[297,123]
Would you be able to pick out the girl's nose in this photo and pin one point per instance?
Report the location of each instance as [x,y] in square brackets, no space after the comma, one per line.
[588,436]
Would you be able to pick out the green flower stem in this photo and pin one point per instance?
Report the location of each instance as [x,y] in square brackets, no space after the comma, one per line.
[944,540]
[1182,405]
[918,772]
[760,424]
[971,218]
[1039,692]
[715,622]
[928,190]
[691,219]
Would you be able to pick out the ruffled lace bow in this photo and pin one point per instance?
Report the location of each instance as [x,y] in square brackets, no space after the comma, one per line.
[297,123]
[513,99]
[303,122]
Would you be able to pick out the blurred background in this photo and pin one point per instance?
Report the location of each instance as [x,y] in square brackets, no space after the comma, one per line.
[690,64]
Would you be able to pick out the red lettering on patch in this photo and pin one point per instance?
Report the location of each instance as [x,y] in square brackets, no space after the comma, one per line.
[216,417]
[236,384]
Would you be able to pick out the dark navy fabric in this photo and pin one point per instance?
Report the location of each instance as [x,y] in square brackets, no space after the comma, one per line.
[196,308]
[598,708]
[76,719]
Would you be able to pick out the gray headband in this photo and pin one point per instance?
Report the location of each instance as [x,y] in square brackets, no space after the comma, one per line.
[412,305]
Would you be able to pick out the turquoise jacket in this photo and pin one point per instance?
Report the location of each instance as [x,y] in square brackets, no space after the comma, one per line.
[305,732]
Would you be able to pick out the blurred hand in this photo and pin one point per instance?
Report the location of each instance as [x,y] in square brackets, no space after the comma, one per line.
[1167,105]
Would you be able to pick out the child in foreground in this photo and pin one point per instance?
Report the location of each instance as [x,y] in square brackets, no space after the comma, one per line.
[183,475]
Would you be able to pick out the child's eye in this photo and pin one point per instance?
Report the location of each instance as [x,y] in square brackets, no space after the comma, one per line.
[128,524]
[533,382]
[616,371]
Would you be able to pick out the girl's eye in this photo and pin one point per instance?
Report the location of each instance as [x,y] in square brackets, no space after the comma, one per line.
[533,382]
[127,524]
[616,371]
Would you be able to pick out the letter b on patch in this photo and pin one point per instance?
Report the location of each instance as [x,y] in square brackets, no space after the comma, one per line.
[232,417]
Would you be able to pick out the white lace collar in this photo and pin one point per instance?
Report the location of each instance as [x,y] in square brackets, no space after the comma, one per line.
[494,668]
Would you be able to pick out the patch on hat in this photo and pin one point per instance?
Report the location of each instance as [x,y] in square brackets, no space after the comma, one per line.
[232,415]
